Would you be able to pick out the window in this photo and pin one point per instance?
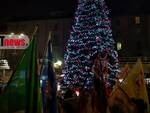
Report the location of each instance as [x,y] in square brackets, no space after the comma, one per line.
[137,20]
[119,46]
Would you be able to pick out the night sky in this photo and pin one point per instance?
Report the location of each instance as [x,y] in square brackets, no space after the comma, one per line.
[41,9]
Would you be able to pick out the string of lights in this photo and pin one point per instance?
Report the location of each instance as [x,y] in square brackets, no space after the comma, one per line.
[91,34]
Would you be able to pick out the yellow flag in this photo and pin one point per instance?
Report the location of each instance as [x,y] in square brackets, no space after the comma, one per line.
[134,85]
[124,72]
[120,102]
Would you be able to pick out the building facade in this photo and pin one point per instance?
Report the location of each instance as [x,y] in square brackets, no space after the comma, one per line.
[131,34]
[57,30]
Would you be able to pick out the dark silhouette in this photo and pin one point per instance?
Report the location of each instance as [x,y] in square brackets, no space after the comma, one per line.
[140,104]
[70,102]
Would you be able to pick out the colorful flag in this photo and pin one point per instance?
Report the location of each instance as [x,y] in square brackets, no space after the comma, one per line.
[124,72]
[22,93]
[34,96]
[100,80]
[44,76]
[130,95]
[134,86]
[119,102]
[49,87]
[118,97]
[52,81]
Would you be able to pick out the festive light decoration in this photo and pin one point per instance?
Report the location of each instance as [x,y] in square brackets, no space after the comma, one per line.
[91,35]
[77,93]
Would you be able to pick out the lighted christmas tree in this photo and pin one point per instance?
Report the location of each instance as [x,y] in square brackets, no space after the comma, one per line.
[91,35]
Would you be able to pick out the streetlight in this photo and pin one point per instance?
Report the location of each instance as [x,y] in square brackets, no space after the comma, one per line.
[58,64]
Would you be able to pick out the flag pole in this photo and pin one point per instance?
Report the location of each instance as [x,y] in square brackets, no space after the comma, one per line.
[47,57]
[35,30]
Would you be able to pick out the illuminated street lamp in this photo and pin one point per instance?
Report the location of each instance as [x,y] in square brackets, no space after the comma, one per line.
[58,64]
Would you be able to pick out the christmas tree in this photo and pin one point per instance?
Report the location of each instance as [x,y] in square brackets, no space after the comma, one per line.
[91,36]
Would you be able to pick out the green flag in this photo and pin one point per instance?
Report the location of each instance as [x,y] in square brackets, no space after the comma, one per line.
[34,97]
[23,91]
